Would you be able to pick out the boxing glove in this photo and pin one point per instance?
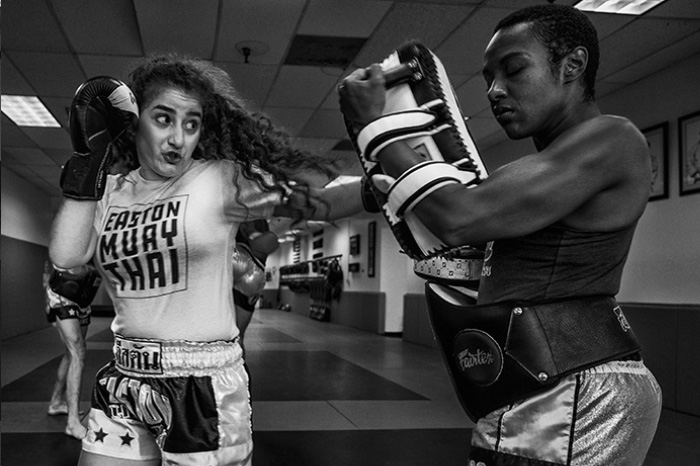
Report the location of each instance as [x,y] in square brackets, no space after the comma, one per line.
[101,110]
[79,284]
[254,242]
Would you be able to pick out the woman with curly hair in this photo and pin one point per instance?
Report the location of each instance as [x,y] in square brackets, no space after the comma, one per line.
[189,165]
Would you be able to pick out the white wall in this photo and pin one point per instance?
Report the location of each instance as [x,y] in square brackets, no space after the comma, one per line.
[24,210]
[664,264]
[27,214]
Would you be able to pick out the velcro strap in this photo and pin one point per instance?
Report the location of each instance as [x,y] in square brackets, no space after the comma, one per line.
[123,99]
[396,126]
[419,181]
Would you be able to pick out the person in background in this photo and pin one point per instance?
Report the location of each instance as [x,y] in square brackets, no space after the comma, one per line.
[71,320]
[254,242]
[559,223]
[197,164]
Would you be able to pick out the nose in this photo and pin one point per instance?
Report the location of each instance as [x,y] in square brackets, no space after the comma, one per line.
[496,91]
[176,137]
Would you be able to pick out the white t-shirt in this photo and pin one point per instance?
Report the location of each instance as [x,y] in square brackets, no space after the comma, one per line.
[164,249]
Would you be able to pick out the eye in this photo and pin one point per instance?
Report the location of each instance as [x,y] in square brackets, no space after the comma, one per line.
[162,118]
[193,125]
[514,70]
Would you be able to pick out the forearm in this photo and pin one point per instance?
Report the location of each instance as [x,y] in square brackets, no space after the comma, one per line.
[72,234]
[340,199]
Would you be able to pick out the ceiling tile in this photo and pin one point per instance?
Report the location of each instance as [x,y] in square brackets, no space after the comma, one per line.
[409,21]
[331,100]
[640,39]
[50,173]
[181,26]
[325,124]
[292,120]
[319,146]
[252,81]
[30,156]
[463,52]
[50,74]
[30,25]
[515,4]
[269,22]
[50,138]
[676,9]
[106,65]
[13,136]
[91,28]
[59,156]
[300,86]
[659,60]
[342,18]
[472,96]
[21,170]
[607,24]
[13,82]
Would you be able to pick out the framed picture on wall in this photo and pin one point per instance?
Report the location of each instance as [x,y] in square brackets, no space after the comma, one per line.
[354,245]
[689,153]
[657,139]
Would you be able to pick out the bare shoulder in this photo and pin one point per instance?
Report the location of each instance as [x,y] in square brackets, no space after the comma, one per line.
[623,146]
[617,156]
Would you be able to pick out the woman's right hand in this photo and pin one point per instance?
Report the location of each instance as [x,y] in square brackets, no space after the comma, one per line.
[362,95]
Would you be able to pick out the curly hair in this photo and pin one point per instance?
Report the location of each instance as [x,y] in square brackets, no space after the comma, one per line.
[229,130]
[561,29]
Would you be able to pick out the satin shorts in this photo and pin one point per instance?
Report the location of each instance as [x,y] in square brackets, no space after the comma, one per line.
[603,416]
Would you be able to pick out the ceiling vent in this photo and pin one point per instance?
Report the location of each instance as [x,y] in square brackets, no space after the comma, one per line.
[337,52]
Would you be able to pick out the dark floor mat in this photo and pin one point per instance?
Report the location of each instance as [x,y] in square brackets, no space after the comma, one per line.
[39,448]
[268,335]
[38,384]
[317,375]
[105,336]
[444,447]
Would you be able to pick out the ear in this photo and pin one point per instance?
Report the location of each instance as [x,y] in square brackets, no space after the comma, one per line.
[574,64]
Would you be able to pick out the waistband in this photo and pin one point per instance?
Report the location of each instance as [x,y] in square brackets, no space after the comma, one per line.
[145,357]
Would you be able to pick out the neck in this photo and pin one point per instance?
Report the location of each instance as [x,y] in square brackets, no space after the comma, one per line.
[582,112]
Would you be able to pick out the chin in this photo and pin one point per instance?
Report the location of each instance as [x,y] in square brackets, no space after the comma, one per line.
[514,134]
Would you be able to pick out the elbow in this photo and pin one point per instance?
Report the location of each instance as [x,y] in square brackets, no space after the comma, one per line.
[64,259]
[456,227]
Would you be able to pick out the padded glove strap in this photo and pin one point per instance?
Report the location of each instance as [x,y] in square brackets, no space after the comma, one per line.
[396,126]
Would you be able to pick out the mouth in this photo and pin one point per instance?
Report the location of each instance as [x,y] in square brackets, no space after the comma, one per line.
[503,114]
[172,157]
[499,111]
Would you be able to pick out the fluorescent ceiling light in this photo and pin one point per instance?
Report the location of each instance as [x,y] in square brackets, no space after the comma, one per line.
[27,111]
[623,7]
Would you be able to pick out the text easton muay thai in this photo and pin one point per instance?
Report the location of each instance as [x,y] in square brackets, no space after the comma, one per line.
[142,249]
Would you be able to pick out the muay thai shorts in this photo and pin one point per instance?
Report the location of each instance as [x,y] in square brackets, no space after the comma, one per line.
[605,415]
[60,308]
[185,402]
